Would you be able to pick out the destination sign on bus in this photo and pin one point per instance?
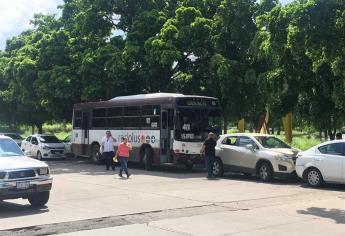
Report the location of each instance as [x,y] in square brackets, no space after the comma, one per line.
[197,102]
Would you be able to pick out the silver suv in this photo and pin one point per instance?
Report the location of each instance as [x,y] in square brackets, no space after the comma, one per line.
[21,176]
[259,154]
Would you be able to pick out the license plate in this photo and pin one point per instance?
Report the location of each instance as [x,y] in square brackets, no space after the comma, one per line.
[23,185]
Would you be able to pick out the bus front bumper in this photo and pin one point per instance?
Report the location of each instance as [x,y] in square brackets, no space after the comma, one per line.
[187,159]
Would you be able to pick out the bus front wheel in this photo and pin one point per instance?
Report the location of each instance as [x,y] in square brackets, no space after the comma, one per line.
[95,154]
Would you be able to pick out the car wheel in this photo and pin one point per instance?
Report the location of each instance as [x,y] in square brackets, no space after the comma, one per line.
[39,155]
[38,199]
[148,159]
[265,172]
[314,177]
[218,168]
[95,154]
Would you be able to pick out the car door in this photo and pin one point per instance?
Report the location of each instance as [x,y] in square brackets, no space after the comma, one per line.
[26,145]
[330,160]
[227,150]
[34,146]
[246,157]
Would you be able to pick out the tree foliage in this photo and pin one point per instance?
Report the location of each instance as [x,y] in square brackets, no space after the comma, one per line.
[255,56]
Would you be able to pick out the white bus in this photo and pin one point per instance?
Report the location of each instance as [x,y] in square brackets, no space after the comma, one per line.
[164,128]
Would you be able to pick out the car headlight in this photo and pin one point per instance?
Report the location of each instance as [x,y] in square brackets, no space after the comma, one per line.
[45,147]
[283,158]
[43,171]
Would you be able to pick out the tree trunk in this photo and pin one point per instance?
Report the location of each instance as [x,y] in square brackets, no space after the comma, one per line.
[278,130]
[40,128]
[225,125]
[32,129]
[320,134]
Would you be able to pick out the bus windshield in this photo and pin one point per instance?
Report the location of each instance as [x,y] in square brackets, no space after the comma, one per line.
[193,124]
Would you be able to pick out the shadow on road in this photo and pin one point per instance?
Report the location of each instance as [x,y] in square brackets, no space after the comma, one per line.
[10,209]
[338,215]
[86,167]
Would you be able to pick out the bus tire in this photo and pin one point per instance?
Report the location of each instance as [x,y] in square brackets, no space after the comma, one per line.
[148,158]
[95,154]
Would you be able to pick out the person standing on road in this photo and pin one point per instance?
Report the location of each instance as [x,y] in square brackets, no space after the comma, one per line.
[209,152]
[123,154]
[108,143]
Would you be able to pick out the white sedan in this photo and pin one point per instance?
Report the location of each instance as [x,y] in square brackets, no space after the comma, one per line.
[322,163]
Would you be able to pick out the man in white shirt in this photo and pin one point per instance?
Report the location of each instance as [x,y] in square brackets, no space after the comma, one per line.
[108,144]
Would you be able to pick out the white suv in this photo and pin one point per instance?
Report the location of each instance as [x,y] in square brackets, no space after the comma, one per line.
[43,146]
[260,154]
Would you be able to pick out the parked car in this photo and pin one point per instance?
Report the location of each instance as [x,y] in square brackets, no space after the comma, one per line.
[322,163]
[22,177]
[43,146]
[68,145]
[259,154]
[15,136]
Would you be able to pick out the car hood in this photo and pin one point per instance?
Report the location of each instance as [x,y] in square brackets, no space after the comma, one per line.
[20,162]
[286,151]
[54,145]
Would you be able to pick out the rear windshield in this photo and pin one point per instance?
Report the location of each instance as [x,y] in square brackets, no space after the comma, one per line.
[14,136]
[49,139]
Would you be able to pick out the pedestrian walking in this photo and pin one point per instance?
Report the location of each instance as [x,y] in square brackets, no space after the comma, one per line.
[209,152]
[123,154]
[108,143]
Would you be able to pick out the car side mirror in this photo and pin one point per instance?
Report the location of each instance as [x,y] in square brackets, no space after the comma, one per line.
[250,147]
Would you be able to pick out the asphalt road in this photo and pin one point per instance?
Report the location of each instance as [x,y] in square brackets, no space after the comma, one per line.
[87,200]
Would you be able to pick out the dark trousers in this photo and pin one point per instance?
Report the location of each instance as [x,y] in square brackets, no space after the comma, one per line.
[108,158]
[123,161]
[209,165]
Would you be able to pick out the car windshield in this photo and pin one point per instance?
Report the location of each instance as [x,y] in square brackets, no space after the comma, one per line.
[9,148]
[271,142]
[49,139]
[14,136]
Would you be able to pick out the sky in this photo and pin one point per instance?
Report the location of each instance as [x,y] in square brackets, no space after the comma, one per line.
[15,15]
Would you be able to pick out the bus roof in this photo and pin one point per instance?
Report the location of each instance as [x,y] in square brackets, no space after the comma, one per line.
[140,99]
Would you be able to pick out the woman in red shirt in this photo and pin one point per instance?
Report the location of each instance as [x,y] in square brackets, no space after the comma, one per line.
[123,154]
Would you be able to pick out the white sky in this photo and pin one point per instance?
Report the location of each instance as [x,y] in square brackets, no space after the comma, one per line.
[15,15]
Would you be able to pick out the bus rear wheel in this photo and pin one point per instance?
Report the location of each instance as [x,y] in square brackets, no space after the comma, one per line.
[148,158]
[95,154]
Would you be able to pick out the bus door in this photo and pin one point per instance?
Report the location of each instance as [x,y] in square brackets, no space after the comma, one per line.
[166,124]
[85,132]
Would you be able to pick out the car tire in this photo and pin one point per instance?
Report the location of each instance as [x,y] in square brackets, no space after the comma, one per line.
[39,199]
[218,168]
[148,159]
[95,154]
[39,155]
[265,172]
[314,177]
